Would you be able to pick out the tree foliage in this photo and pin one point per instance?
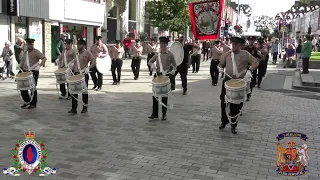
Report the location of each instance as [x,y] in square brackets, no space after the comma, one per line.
[168,14]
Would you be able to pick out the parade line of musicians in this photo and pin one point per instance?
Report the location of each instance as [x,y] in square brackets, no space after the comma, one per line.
[251,56]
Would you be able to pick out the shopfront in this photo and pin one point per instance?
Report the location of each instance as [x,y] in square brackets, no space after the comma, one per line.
[35,32]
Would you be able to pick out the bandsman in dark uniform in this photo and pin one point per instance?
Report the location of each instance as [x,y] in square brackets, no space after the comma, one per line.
[70,56]
[254,51]
[243,58]
[85,57]
[215,53]
[136,59]
[182,69]
[98,50]
[169,65]
[151,49]
[33,56]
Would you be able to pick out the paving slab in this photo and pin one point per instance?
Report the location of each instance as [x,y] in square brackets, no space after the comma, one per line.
[115,140]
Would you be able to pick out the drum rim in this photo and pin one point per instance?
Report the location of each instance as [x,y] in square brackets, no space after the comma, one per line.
[19,77]
[66,69]
[231,87]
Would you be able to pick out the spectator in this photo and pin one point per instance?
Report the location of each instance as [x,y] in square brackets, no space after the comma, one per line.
[305,54]
[19,49]
[298,52]
[127,46]
[275,51]
[7,58]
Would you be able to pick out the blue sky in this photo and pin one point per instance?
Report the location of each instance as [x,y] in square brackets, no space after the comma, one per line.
[267,7]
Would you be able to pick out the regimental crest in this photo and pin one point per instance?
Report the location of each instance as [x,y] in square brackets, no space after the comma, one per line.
[292,154]
[29,156]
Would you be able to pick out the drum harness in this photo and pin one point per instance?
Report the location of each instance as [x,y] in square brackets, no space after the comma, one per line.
[235,72]
[169,95]
[33,89]
[68,66]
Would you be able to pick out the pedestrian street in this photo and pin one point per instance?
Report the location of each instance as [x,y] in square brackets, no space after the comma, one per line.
[116,141]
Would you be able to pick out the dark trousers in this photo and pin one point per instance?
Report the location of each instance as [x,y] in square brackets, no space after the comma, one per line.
[214,71]
[261,72]
[97,77]
[135,66]
[164,100]
[305,65]
[150,55]
[8,65]
[63,89]
[267,61]
[25,94]
[205,53]
[116,65]
[234,108]
[85,97]
[182,69]
[195,62]
[127,52]
[253,82]
[274,57]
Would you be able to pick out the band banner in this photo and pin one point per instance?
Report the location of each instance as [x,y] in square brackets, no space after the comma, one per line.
[206,19]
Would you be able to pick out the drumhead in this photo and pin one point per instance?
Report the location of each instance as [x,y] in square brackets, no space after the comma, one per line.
[177,50]
[24,75]
[104,64]
[160,79]
[60,70]
[77,77]
[235,83]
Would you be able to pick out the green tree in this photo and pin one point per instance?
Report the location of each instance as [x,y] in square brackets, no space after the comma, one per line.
[170,15]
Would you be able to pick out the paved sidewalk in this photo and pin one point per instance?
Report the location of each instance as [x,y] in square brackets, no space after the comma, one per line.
[116,141]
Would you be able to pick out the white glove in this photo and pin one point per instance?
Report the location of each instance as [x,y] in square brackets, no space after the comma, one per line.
[221,70]
[173,72]
[86,71]
[248,76]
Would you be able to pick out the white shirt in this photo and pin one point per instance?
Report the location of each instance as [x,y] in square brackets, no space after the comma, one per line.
[196,50]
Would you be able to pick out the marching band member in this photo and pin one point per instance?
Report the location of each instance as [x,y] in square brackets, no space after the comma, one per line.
[30,62]
[151,49]
[84,57]
[116,55]
[98,50]
[167,62]
[242,59]
[256,54]
[70,55]
[263,62]
[215,53]
[136,59]
[196,56]
[182,69]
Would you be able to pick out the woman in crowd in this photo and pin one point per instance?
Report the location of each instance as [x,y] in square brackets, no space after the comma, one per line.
[7,58]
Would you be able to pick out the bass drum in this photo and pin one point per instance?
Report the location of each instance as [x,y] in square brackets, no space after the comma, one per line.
[177,50]
[104,64]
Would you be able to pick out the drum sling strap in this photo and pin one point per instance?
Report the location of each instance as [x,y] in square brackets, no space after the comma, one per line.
[169,94]
[32,91]
[67,65]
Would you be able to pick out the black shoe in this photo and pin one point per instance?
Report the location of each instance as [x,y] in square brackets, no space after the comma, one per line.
[259,86]
[150,74]
[84,110]
[184,93]
[61,97]
[222,126]
[233,130]
[24,105]
[73,111]
[31,107]
[172,89]
[68,98]
[248,98]
[214,84]
[98,89]
[118,83]
[114,83]
[164,117]
[153,117]
[135,78]
[94,87]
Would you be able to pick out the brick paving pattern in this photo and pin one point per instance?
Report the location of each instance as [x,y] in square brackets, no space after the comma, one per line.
[116,141]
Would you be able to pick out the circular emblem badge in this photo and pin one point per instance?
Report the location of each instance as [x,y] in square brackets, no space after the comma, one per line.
[207,22]
[30,155]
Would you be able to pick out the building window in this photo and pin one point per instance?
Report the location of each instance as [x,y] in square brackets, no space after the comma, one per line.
[132,10]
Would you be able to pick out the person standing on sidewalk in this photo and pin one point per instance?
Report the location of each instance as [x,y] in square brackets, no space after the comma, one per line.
[298,52]
[61,45]
[7,58]
[306,51]
[151,49]
[242,59]
[196,56]
[275,51]
[116,54]
[136,59]
[215,53]
[30,62]
[98,50]
[127,46]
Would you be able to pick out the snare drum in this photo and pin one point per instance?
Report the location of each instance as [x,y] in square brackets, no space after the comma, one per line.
[161,86]
[25,81]
[61,75]
[77,84]
[235,91]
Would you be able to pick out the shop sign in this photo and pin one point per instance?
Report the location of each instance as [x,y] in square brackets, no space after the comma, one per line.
[13,7]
